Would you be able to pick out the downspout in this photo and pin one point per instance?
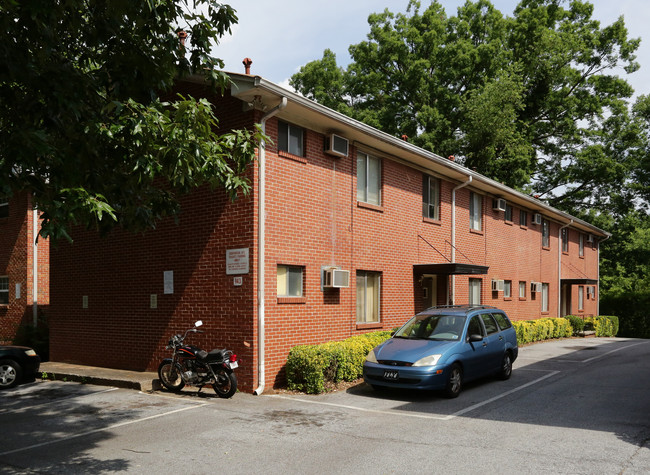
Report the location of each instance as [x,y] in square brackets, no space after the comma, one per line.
[261,260]
[453,235]
[559,269]
[35,264]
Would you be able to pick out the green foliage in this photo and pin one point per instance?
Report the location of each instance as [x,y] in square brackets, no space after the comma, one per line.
[309,367]
[604,325]
[534,100]
[577,324]
[83,125]
[529,331]
[632,310]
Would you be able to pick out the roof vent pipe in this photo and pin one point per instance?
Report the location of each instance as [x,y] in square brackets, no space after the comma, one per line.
[247,65]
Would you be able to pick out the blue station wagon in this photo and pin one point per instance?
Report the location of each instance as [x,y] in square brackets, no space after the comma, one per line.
[444,347]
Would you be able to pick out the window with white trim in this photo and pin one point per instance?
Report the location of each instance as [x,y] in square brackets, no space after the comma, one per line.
[507,289]
[544,297]
[475,291]
[475,211]
[565,240]
[4,290]
[291,139]
[581,245]
[581,298]
[368,179]
[289,281]
[430,197]
[522,289]
[523,218]
[368,296]
[508,213]
[546,233]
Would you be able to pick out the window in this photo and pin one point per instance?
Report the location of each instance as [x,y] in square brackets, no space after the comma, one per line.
[368,292]
[523,218]
[490,324]
[546,234]
[508,214]
[507,289]
[502,320]
[581,246]
[368,179]
[475,291]
[4,290]
[430,197]
[290,139]
[475,211]
[544,297]
[289,281]
[474,327]
[565,240]
[581,298]
[522,289]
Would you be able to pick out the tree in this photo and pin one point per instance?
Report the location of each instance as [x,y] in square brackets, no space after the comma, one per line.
[529,100]
[82,124]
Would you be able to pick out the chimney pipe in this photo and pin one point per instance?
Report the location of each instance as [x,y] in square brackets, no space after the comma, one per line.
[452,158]
[247,64]
[182,36]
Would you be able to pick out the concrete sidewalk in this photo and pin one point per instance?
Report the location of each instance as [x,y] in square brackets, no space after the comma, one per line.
[140,380]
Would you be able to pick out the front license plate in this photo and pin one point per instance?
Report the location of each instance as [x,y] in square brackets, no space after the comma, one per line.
[391,375]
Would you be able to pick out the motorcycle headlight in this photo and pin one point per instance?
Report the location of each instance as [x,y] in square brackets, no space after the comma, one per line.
[430,360]
[371,358]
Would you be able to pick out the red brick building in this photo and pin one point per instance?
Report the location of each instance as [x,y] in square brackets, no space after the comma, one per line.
[347,230]
[24,267]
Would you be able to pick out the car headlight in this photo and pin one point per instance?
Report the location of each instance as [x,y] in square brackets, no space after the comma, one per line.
[430,360]
[30,352]
[371,358]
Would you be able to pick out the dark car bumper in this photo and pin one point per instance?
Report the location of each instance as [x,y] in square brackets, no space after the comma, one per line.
[408,377]
[31,365]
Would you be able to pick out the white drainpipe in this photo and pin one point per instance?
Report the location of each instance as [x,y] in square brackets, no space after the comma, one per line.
[261,260]
[35,263]
[559,269]
[453,235]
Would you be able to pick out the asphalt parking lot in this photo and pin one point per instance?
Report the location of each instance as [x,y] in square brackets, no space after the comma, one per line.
[571,406]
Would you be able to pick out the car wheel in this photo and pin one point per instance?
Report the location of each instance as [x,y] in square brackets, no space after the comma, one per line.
[454,381]
[506,367]
[10,373]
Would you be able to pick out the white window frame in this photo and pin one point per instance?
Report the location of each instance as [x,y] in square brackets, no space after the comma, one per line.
[581,297]
[368,179]
[565,240]
[522,289]
[475,291]
[507,289]
[430,197]
[508,215]
[545,289]
[475,211]
[523,218]
[285,274]
[363,315]
[295,143]
[581,246]
[546,233]
[4,290]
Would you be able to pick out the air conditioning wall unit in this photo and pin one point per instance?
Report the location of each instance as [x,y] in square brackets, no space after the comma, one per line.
[537,218]
[497,285]
[590,238]
[336,145]
[499,204]
[334,278]
[535,287]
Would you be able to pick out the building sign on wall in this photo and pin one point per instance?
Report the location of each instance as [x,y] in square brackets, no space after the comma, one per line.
[237,261]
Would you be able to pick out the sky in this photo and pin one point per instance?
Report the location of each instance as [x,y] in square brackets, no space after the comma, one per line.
[280,37]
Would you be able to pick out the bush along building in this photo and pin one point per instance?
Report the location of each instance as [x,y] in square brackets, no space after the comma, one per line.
[24,268]
[347,230]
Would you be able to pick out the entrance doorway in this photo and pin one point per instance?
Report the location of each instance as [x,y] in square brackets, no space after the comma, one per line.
[429,290]
[565,303]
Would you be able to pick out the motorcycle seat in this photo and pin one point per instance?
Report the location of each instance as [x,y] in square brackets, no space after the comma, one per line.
[214,355]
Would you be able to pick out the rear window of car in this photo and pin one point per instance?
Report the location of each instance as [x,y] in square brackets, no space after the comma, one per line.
[502,320]
[490,324]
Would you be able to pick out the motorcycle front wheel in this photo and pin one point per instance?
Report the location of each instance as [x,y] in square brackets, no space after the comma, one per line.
[170,376]
[226,385]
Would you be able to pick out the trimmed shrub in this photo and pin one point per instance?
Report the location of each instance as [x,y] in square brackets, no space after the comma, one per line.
[603,325]
[577,324]
[530,331]
[310,366]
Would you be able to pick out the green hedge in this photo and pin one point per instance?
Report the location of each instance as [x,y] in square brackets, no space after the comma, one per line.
[310,366]
[529,331]
[604,325]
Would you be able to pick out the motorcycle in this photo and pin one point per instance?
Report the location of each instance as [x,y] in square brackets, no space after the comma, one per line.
[192,366]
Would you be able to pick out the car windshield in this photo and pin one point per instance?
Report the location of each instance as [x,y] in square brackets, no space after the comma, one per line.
[433,327]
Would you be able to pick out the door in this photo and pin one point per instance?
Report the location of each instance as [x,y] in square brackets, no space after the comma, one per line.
[430,290]
[565,307]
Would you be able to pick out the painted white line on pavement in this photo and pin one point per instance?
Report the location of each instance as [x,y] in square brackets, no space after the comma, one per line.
[420,415]
[612,351]
[100,429]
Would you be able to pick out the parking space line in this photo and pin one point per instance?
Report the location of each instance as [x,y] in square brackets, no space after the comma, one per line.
[100,429]
[420,415]
[613,351]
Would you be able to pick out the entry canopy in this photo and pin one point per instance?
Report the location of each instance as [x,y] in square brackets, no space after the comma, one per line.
[584,281]
[451,268]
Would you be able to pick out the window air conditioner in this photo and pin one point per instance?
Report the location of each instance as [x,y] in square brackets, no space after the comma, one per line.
[590,238]
[499,204]
[336,278]
[537,218]
[535,287]
[336,145]
[497,285]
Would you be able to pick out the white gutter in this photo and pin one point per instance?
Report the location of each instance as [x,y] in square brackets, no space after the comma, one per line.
[261,249]
[35,264]
[559,269]
[453,236]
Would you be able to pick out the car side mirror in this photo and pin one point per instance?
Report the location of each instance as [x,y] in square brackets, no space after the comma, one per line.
[475,337]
